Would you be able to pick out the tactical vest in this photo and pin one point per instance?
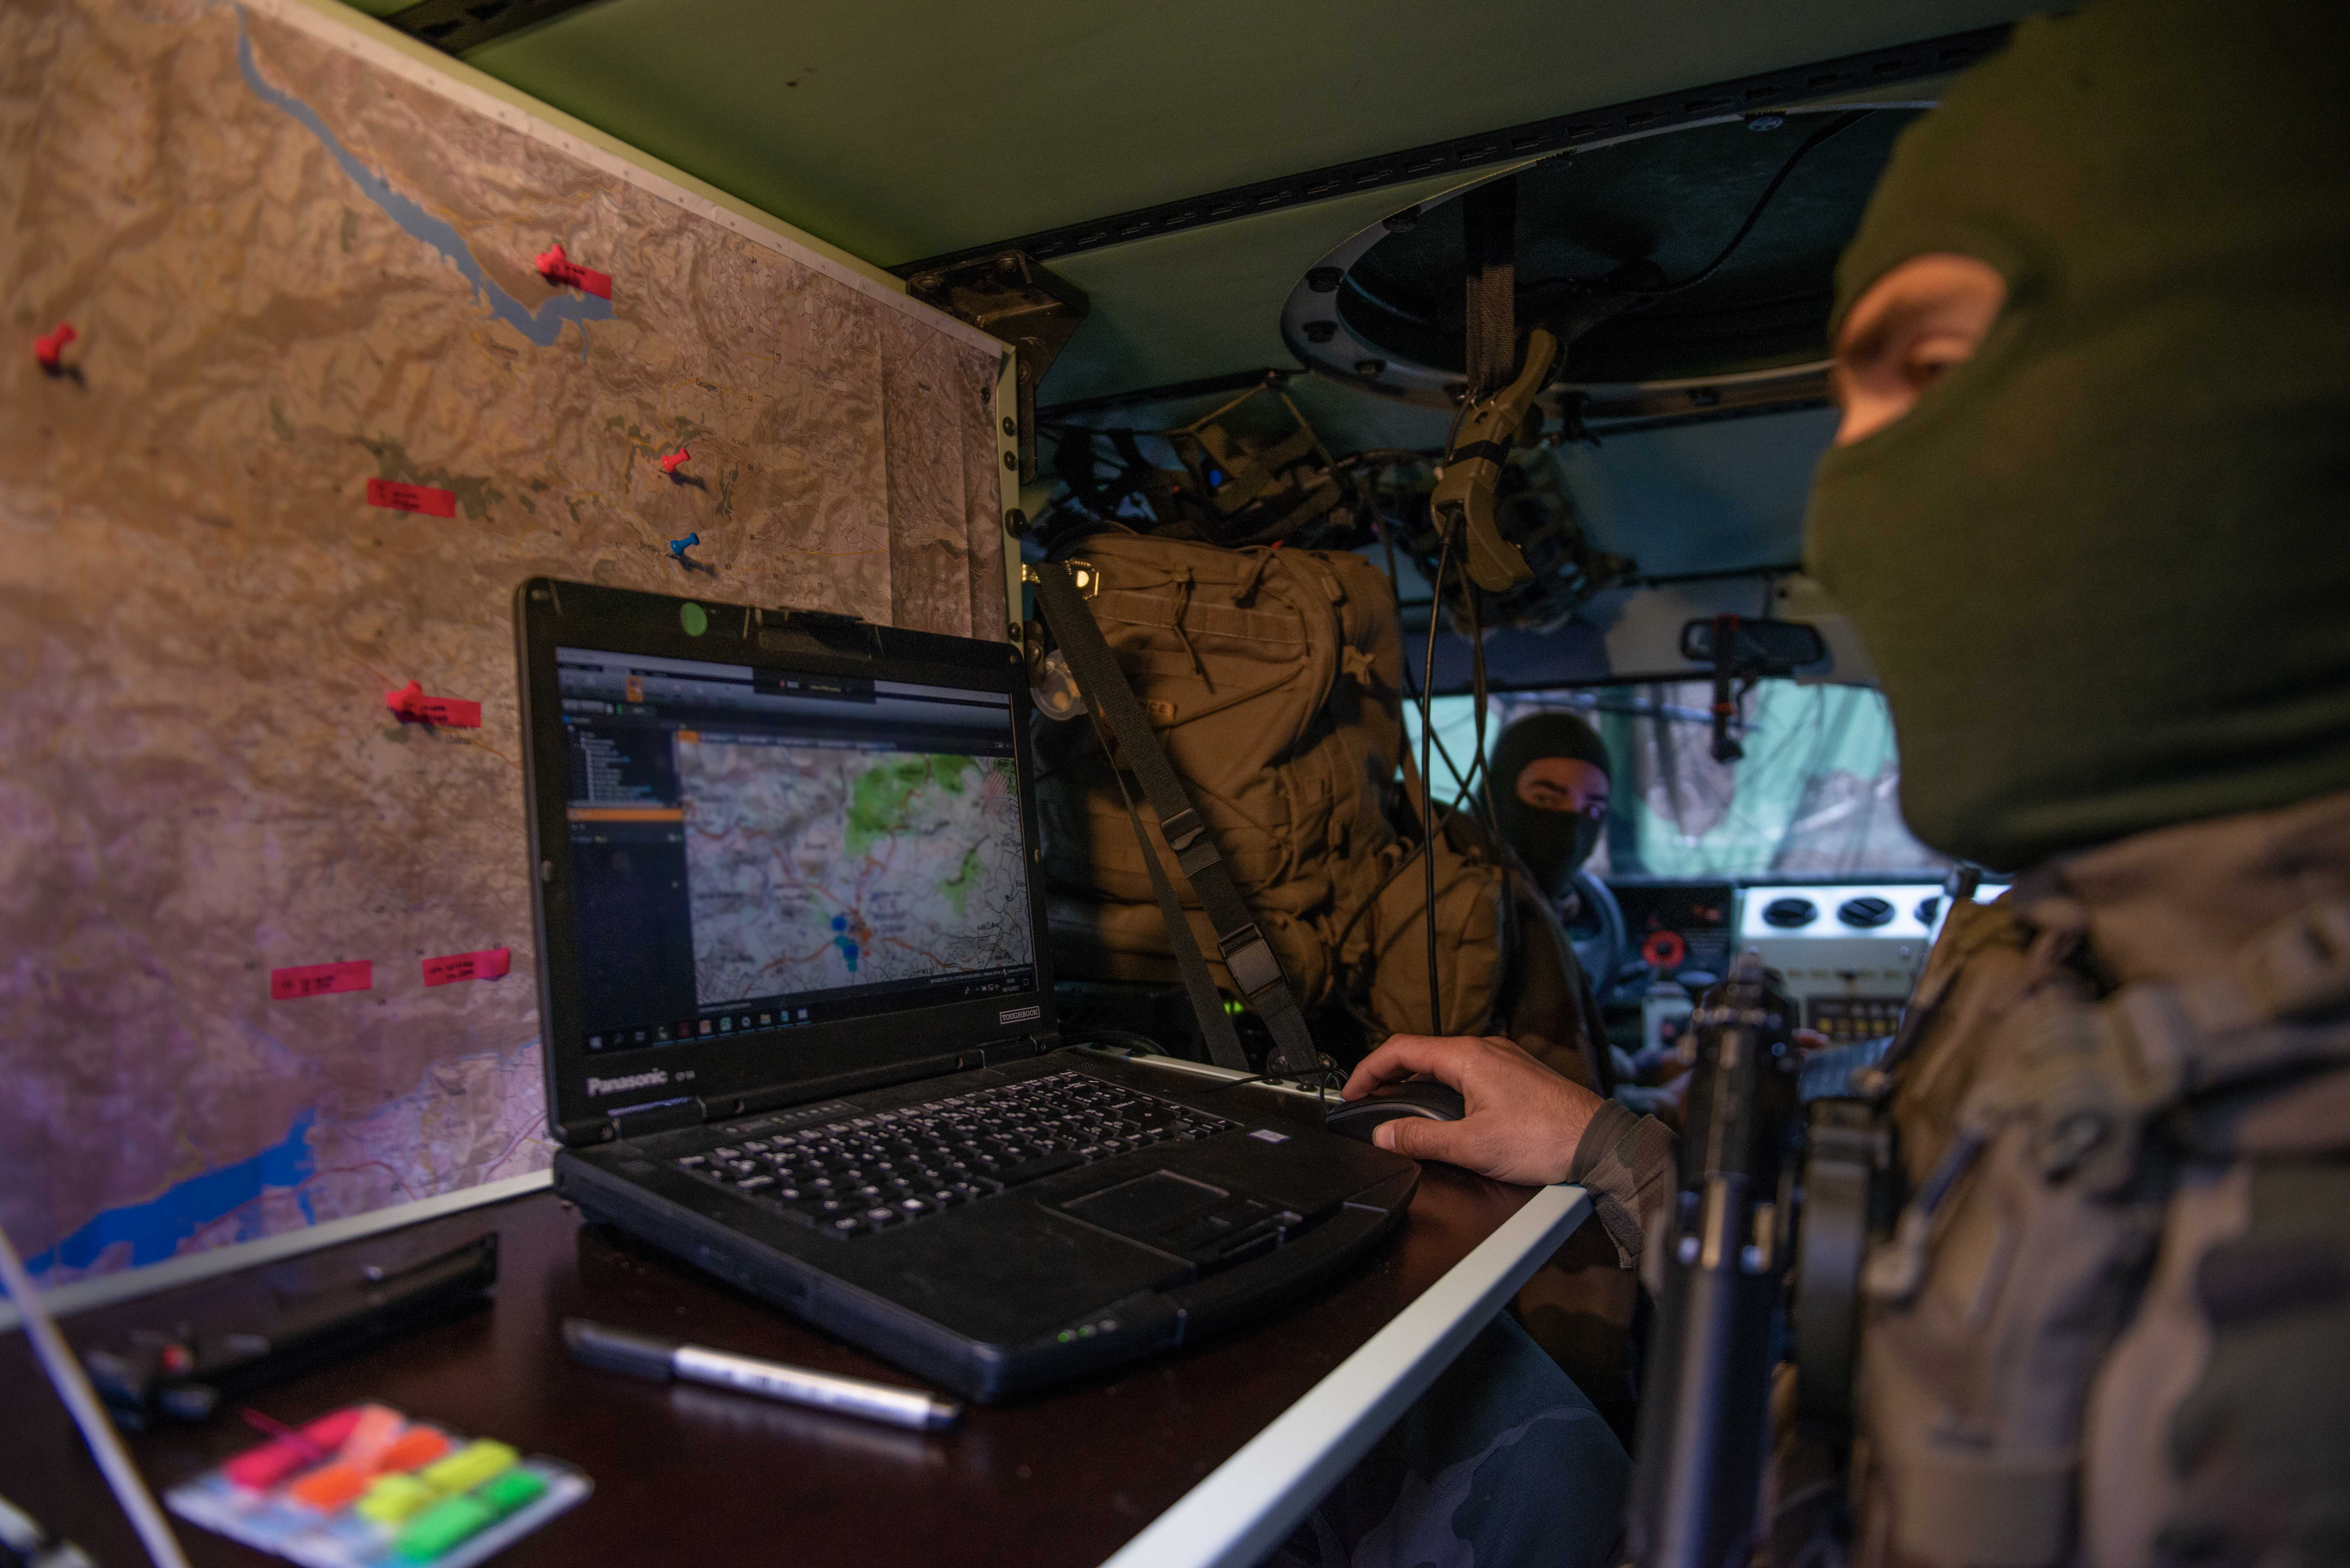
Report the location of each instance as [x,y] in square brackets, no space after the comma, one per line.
[2111,1323]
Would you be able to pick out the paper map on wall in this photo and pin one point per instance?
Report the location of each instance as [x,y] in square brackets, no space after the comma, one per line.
[340,380]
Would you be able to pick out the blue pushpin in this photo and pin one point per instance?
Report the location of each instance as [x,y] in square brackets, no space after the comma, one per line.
[677,548]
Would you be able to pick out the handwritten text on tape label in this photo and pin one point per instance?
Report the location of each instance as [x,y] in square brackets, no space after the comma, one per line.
[320,980]
[487,964]
[422,498]
[411,702]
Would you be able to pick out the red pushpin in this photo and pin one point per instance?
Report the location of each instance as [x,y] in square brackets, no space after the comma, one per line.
[675,461]
[564,273]
[408,701]
[50,349]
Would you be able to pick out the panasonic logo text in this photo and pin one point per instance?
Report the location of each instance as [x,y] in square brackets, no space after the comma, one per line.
[652,1080]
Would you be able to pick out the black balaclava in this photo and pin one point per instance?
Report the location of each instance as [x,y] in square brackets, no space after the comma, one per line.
[2102,568]
[1553,844]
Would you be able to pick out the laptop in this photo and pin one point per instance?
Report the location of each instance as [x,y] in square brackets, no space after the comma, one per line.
[798,1017]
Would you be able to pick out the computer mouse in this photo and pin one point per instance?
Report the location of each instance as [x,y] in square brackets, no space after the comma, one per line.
[1439,1102]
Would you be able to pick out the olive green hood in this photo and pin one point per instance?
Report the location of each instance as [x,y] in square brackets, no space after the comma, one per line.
[2104,567]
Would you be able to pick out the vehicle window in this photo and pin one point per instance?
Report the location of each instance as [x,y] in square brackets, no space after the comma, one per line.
[1817,792]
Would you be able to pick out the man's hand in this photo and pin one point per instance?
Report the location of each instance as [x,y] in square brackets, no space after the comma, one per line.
[1522,1120]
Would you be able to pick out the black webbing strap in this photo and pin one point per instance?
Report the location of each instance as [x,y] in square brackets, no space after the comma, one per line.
[1207,1002]
[1488,218]
[1249,958]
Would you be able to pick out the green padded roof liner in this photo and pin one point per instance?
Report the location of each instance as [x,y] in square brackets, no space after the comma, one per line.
[905,130]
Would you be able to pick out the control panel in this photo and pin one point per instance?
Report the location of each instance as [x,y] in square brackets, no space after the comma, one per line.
[1850,952]
[1675,927]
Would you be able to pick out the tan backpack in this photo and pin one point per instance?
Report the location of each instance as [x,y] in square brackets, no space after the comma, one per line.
[1272,678]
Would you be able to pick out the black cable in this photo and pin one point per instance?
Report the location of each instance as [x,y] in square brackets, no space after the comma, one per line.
[1415,690]
[1461,781]
[1477,687]
[1426,791]
[1841,122]
[1468,787]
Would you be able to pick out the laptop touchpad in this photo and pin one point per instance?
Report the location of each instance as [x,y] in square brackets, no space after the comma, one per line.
[1187,1217]
[1147,1206]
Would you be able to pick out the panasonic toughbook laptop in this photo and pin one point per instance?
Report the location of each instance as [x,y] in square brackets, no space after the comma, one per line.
[799,1016]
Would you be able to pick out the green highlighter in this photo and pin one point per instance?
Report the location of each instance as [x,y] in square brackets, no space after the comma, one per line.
[442,1526]
[517,1488]
[447,1524]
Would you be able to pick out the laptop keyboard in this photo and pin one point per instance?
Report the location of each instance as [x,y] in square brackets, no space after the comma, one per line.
[868,1173]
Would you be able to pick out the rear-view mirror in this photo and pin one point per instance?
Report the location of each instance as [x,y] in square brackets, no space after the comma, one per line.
[1757,646]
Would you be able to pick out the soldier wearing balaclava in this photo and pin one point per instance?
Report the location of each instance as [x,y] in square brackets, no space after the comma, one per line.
[1550,779]
[2089,508]
[2102,567]
[2099,550]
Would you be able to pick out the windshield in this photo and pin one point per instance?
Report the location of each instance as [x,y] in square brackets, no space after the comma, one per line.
[1817,794]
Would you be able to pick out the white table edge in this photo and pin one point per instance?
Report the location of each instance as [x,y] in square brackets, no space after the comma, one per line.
[1249,1503]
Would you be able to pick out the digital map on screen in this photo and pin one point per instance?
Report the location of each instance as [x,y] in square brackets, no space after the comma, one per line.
[816,868]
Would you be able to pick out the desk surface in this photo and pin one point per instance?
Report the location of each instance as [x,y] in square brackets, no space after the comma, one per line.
[1062,1477]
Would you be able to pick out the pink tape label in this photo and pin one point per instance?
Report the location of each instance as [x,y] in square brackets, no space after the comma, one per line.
[489,963]
[411,702]
[422,498]
[453,711]
[320,980]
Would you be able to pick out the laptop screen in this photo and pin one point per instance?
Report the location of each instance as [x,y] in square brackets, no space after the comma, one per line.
[755,850]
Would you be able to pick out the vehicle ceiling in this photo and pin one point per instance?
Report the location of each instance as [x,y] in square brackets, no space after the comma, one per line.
[915,129]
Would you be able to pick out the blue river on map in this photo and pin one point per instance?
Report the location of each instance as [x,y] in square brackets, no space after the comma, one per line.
[155,1229]
[542,326]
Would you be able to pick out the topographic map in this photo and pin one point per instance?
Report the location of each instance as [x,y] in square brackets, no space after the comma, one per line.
[815,868]
[322,413]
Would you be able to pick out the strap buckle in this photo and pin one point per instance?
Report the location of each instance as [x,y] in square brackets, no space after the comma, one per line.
[1249,957]
[1181,829]
[1082,572]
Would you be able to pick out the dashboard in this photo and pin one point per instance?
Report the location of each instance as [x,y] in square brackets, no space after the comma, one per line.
[1849,952]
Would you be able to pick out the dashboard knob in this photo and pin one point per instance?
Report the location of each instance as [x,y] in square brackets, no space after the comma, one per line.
[1866,912]
[1928,908]
[1788,913]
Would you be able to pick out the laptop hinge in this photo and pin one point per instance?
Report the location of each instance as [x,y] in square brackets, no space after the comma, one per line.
[1017,1048]
[582,1131]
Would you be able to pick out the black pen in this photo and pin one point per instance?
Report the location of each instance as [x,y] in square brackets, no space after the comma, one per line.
[648,1355]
